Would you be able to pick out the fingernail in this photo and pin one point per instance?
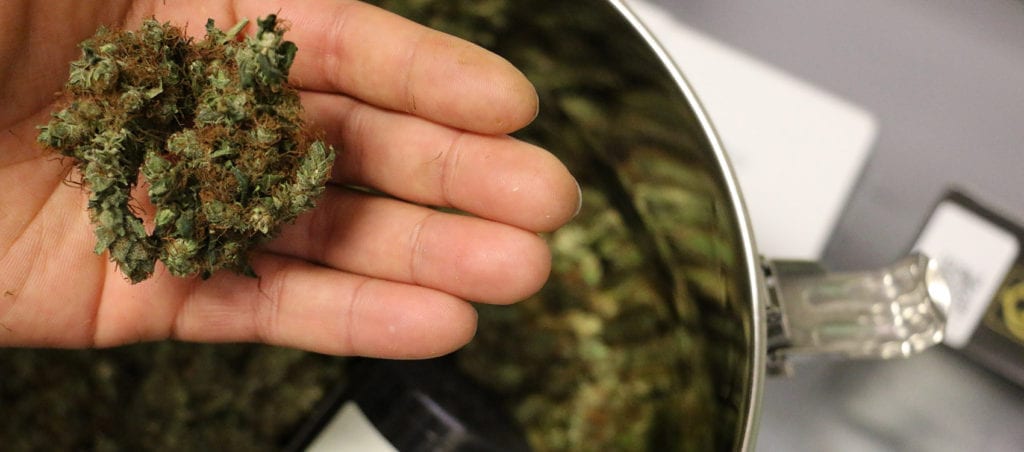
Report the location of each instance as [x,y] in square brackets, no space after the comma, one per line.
[579,200]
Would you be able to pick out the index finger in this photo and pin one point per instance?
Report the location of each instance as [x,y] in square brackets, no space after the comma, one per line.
[350,47]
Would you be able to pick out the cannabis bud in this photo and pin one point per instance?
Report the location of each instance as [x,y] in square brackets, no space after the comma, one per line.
[213,129]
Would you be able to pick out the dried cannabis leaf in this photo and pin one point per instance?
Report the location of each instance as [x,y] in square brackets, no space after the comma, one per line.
[213,128]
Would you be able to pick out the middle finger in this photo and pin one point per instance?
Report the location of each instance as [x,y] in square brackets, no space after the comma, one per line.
[494,177]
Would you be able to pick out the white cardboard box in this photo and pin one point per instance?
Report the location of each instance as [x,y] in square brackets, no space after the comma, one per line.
[796,148]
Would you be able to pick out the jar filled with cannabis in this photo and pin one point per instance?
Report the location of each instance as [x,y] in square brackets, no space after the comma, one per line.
[637,342]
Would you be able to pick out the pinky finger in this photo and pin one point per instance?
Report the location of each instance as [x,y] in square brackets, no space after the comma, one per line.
[302,305]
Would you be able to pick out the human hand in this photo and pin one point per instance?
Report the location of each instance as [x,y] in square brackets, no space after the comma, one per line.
[414,113]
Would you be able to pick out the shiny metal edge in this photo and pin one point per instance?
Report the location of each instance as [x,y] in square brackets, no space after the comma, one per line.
[751,257]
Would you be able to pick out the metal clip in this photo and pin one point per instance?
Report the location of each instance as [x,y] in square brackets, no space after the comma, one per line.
[893,312]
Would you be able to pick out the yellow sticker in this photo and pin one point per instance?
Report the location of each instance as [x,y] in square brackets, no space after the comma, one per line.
[1006,315]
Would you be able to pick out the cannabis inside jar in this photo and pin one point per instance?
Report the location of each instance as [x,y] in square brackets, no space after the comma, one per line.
[213,129]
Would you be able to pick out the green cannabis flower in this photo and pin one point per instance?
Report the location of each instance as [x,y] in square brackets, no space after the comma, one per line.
[213,129]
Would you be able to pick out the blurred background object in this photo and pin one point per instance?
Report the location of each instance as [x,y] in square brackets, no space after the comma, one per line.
[942,81]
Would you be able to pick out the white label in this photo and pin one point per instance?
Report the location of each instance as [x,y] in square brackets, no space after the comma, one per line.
[797,149]
[975,256]
[350,431]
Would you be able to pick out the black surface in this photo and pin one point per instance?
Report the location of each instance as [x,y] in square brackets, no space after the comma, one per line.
[420,406]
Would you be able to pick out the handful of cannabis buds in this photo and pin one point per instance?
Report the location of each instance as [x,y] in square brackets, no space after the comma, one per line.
[212,127]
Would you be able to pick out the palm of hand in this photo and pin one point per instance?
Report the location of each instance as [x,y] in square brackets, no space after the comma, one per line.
[417,117]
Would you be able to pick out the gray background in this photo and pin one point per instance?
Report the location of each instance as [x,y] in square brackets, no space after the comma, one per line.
[946,80]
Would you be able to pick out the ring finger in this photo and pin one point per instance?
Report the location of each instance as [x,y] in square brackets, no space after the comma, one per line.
[468,257]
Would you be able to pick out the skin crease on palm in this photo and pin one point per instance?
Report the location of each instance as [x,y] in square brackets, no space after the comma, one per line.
[414,113]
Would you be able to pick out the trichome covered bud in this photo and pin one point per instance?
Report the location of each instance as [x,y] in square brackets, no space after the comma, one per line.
[213,129]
